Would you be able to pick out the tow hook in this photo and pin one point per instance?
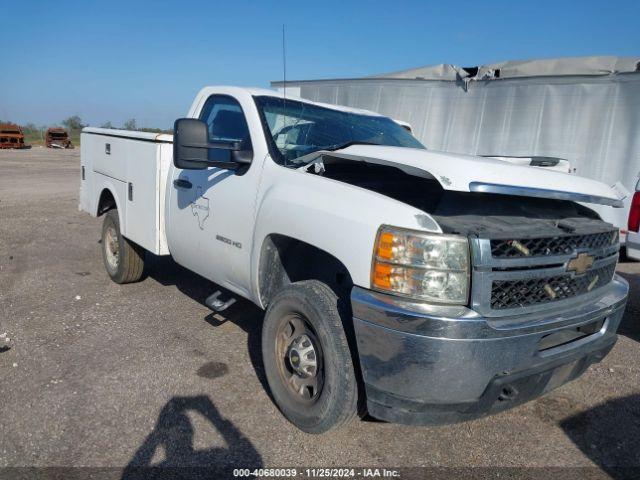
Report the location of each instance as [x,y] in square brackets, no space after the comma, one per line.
[508,393]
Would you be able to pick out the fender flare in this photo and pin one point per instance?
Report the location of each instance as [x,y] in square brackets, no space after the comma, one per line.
[108,185]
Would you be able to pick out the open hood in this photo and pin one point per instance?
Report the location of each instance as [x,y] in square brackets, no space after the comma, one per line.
[467,173]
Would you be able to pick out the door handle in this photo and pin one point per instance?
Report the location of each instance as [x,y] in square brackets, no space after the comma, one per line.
[182,183]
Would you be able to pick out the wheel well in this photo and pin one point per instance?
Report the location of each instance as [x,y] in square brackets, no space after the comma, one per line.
[106,202]
[284,260]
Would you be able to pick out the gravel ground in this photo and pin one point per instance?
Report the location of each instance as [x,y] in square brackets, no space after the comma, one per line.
[103,375]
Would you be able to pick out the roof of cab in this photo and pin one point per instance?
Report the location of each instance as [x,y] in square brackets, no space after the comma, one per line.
[263,92]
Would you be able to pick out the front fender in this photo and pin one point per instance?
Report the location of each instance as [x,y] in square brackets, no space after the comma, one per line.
[336,217]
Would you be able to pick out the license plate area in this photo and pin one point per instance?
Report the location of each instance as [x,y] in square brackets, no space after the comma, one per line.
[566,336]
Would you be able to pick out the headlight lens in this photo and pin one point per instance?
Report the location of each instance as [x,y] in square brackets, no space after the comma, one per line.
[425,266]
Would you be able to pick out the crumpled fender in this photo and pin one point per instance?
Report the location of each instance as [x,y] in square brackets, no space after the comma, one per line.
[341,219]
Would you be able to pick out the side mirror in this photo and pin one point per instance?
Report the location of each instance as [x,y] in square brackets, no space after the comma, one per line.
[192,150]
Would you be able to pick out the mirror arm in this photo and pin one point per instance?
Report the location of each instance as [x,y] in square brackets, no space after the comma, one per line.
[221,145]
[215,163]
[243,157]
[225,165]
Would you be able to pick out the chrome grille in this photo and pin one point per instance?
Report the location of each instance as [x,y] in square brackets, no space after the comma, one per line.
[535,291]
[563,244]
[504,283]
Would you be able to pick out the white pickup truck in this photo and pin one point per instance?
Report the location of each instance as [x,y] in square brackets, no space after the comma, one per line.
[418,286]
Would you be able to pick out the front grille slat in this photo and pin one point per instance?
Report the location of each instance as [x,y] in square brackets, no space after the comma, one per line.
[535,291]
[545,246]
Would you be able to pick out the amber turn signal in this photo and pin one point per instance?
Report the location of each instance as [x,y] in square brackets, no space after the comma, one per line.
[385,245]
[382,275]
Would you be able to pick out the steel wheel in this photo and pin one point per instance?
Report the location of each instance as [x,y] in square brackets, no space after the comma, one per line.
[299,358]
[111,248]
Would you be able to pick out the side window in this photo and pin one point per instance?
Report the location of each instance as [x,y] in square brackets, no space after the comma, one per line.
[225,120]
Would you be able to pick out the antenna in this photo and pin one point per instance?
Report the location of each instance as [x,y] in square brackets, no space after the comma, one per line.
[284,67]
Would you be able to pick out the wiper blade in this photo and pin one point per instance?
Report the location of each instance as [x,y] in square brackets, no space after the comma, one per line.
[340,146]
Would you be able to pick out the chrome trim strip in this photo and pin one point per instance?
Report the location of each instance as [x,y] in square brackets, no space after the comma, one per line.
[542,193]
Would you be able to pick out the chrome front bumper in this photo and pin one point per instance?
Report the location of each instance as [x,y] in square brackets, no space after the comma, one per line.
[424,364]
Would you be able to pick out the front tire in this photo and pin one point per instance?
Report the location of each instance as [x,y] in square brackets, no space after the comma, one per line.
[307,359]
[123,260]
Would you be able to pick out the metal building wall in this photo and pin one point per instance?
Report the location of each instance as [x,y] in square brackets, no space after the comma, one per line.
[593,121]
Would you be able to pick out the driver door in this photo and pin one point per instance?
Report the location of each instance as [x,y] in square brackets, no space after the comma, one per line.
[211,211]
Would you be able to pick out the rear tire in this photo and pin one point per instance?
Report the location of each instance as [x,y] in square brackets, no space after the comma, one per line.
[123,259]
[307,359]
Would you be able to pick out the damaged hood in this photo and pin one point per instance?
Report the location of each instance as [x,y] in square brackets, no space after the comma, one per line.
[467,173]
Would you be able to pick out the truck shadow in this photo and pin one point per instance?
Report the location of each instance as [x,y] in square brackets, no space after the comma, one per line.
[630,324]
[243,313]
[608,434]
[172,440]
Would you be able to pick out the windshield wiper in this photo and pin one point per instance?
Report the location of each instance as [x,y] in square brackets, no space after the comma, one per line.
[340,146]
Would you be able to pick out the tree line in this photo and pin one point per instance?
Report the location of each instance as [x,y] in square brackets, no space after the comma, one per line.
[75,124]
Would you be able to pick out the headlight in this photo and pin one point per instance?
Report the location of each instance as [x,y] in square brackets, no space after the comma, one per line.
[429,267]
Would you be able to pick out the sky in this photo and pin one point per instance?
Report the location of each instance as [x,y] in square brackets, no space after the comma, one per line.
[114,60]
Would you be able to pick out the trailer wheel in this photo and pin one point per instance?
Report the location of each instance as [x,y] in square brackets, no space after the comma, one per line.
[307,359]
[123,259]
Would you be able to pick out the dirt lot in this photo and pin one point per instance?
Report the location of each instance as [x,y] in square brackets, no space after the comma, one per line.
[103,375]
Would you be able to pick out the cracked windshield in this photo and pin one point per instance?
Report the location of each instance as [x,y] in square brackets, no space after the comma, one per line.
[300,128]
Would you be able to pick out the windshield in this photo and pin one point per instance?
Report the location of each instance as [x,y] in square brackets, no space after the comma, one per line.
[299,128]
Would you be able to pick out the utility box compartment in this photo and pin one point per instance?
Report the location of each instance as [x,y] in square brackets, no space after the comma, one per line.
[133,167]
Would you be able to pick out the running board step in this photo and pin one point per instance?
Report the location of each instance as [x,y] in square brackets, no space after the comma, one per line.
[216,304]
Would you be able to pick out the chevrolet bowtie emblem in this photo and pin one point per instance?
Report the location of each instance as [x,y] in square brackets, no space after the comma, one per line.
[581,263]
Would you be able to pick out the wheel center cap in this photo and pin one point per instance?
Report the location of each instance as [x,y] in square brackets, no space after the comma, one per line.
[302,356]
[294,358]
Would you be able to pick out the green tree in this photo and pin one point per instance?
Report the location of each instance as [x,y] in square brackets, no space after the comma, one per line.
[130,124]
[73,123]
[106,125]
